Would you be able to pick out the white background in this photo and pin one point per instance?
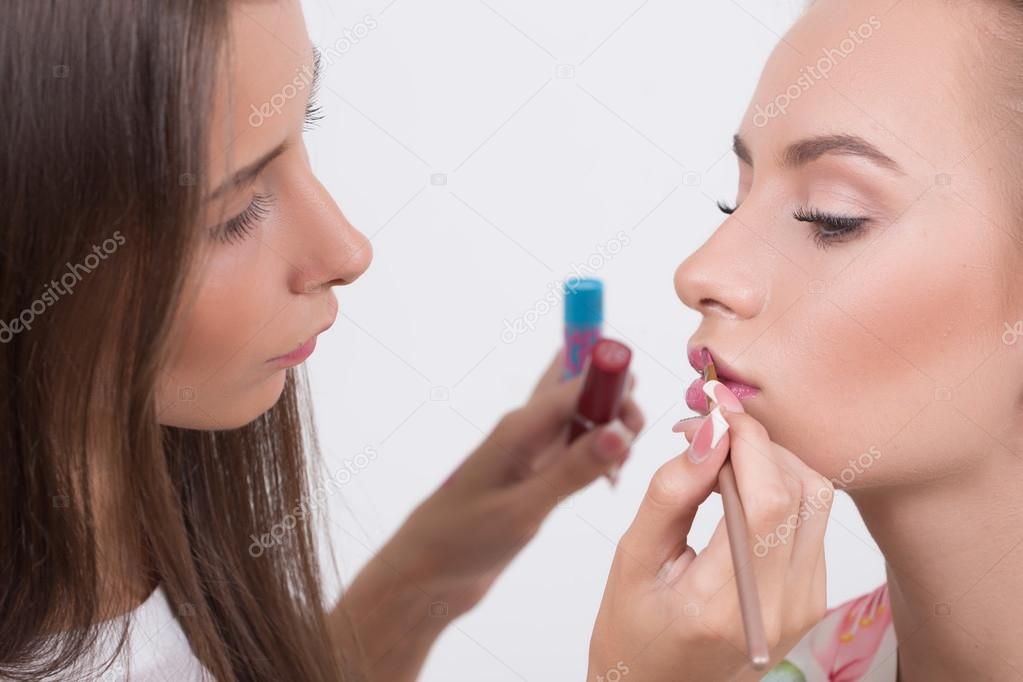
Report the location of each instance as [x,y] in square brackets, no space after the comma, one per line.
[554,126]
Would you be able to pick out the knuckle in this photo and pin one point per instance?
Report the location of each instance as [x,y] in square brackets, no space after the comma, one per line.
[818,493]
[509,421]
[793,484]
[767,505]
[666,487]
[747,427]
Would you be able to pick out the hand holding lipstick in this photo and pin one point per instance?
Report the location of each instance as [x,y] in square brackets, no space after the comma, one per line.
[454,545]
[671,614]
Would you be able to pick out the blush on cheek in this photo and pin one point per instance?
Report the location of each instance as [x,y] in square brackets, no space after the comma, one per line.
[220,350]
[886,351]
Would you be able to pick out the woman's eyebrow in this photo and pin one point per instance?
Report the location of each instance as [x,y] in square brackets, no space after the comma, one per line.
[804,151]
[247,174]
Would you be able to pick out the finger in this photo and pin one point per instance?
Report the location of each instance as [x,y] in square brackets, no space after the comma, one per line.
[589,457]
[687,427]
[817,496]
[632,416]
[536,424]
[551,376]
[770,497]
[659,531]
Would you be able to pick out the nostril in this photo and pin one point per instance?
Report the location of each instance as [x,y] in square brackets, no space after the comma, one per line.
[710,305]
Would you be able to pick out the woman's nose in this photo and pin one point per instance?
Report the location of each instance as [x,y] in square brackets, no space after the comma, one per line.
[722,278]
[328,250]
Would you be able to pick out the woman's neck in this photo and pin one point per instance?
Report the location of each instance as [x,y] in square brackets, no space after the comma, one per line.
[954,558]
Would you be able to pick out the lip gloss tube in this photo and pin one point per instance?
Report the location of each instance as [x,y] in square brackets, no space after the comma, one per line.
[584,318]
[603,388]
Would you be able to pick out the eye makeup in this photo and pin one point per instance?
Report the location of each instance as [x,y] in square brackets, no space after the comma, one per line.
[237,228]
[830,228]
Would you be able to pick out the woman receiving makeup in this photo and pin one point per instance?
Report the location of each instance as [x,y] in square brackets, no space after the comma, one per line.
[863,299]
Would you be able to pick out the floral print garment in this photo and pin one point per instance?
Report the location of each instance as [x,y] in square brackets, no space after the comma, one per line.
[854,642]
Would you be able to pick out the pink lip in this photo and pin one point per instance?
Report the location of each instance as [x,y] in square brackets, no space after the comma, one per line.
[696,399]
[296,356]
[299,355]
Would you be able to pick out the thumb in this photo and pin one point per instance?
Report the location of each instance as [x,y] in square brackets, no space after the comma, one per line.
[659,531]
[589,456]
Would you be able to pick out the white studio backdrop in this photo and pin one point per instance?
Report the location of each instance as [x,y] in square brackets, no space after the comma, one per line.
[490,149]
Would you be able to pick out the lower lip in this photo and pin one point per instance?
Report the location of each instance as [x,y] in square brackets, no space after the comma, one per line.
[296,356]
[697,401]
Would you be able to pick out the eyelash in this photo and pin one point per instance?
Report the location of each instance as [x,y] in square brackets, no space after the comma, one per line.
[237,228]
[313,112]
[841,228]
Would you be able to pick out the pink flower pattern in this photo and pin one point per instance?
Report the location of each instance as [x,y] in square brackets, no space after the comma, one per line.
[845,645]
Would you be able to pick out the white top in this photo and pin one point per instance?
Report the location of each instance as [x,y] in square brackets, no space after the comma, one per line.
[156,650]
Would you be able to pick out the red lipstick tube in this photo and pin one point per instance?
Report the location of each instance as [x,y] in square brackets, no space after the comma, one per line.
[603,388]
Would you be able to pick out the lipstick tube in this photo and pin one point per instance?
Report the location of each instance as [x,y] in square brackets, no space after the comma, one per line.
[603,387]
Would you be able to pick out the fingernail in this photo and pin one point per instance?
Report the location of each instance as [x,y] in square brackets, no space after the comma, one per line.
[612,439]
[723,396]
[712,429]
[682,423]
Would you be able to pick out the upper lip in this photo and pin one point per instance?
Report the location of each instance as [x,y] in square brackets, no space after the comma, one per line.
[725,372]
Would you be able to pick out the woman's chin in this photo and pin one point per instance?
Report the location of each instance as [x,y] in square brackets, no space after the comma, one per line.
[230,410]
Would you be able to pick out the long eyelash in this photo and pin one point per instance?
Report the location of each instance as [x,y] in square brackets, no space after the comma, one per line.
[313,115]
[313,111]
[841,227]
[237,228]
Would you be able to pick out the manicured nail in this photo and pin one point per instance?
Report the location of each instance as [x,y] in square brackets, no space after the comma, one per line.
[720,426]
[682,423]
[609,447]
[712,429]
[723,396]
[612,475]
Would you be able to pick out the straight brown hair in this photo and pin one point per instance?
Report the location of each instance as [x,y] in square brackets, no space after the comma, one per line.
[103,113]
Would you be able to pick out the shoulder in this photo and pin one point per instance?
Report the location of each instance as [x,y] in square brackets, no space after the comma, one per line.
[853,642]
[156,648]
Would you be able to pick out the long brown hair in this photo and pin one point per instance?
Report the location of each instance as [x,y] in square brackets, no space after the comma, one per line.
[103,108]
